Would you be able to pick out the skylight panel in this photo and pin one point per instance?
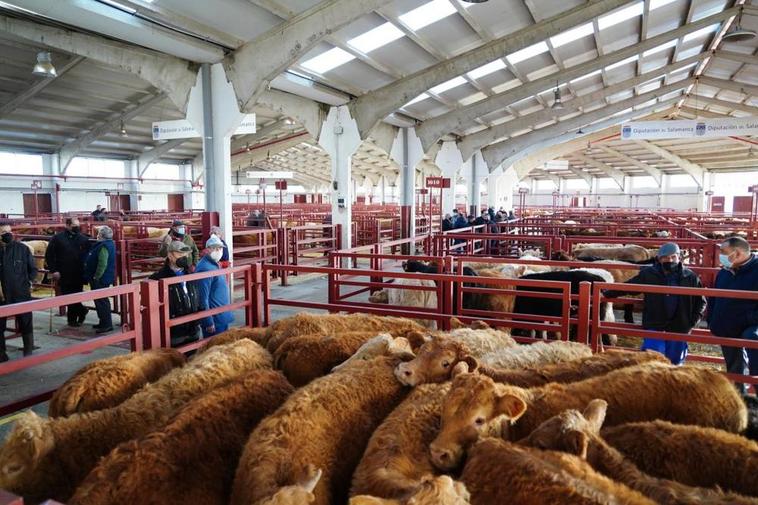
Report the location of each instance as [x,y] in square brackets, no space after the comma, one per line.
[325,62]
[420,98]
[655,4]
[571,35]
[622,62]
[473,98]
[427,14]
[700,33]
[378,37]
[658,49]
[528,52]
[487,69]
[585,76]
[693,51]
[620,16]
[452,83]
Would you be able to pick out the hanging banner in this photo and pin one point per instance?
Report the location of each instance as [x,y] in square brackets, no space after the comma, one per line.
[183,129]
[722,127]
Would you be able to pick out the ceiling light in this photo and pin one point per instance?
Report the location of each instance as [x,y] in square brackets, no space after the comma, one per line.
[328,60]
[580,132]
[44,66]
[474,1]
[557,103]
[123,132]
[290,124]
[427,14]
[247,146]
[738,34]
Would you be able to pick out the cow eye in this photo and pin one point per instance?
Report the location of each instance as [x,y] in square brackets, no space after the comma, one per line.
[445,364]
[479,421]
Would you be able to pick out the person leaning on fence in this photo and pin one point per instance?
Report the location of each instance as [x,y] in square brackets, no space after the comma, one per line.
[668,312]
[459,220]
[184,298]
[178,232]
[734,317]
[99,214]
[218,232]
[213,291]
[17,272]
[100,272]
[64,258]
[447,223]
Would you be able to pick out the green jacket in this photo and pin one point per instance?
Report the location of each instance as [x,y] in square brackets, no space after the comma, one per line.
[187,240]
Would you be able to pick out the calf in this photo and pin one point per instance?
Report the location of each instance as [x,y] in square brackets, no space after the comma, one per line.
[440,490]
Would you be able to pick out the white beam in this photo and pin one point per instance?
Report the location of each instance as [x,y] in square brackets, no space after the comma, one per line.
[148,157]
[462,118]
[724,104]
[171,75]
[651,171]
[695,170]
[581,173]
[252,67]
[308,113]
[748,59]
[738,87]
[616,174]
[42,83]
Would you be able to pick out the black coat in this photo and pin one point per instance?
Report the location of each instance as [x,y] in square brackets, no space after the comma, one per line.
[65,254]
[17,272]
[689,309]
[181,302]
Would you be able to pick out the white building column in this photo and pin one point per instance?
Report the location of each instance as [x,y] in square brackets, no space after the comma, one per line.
[50,184]
[132,170]
[340,138]
[407,152]
[449,160]
[475,171]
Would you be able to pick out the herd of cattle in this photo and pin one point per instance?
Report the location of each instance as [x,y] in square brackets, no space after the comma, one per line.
[368,410]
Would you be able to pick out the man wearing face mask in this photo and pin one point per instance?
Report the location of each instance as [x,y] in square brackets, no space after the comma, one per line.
[668,312]
[17,271]
[179,233]
[216,231]
[732,317]
[100,272]
[65,259]
[184,298]
[213,291]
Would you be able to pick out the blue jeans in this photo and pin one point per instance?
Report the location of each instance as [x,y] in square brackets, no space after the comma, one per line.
[674,350]
[220,328]
[102,305]
[739,360]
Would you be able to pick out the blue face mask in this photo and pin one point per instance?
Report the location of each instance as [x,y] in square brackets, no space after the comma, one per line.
[724,260]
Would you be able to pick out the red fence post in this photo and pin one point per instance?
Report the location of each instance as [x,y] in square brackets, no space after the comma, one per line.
[595,337]
[208,220]
[151,320]
[583,314]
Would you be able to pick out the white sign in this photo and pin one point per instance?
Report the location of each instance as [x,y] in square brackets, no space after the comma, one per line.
[270,175]
[722,127]
[183,129]
[555,165]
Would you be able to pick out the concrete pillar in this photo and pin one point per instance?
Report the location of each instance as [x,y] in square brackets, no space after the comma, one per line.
[384,189]
[132,171]
[476,171]
[508,184]
[449,161]
[407,152]
[49,184]
[340,138]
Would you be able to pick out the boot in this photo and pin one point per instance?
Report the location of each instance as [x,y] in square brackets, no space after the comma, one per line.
[28,344]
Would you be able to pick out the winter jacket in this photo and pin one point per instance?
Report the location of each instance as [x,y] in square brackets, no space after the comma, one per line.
[460,222]
[183,299]
[213,292]
[66,254]
[689,309]
[187,240]
[94,264]
[447,224]
[728,317]
[17,272]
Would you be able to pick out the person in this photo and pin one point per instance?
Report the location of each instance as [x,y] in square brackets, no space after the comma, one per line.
[17,272]
[499,217]
[213,291]
[178,231]
[99,214]
[447,223]
[511,216]
[483,219]
[64,259]
[184,298]
[459,220]
[491,212]
[253,218]
[668,312]
[733,317]
[100,272]
[216,231]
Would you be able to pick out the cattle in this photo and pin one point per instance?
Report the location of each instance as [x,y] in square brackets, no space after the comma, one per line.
[400,297]
[440,490]
[421,267]
[633,253]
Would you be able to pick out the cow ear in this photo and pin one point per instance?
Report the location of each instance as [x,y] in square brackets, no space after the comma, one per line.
[480,325]
[471,362]
[417,338]
[510,405]
[595,414]
[460,368]
[577,443]
[456,323]
[401,348]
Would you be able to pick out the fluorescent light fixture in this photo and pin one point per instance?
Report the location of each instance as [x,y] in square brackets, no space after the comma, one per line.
[700,33]
[586,76]
[119,6]
[420,98]
[452,83]
[658,49]
[487,69]
[269,175]
[378,37]
[528,52]
[571,35]
[328,60]
[622,62]
[655,4]
[427,14]
[620,16]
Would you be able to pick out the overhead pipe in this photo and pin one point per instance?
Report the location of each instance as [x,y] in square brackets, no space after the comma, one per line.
[66,177]
[266,144]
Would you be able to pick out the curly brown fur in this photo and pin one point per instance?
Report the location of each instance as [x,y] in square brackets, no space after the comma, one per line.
[578,433]
[440,490]
[328,324]
[47,458]
[193,458]
[326,424]
[257,335]
[497,469]
[107,382]
[689,454]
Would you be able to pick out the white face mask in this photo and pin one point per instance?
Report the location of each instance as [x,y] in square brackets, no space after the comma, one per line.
[216,254]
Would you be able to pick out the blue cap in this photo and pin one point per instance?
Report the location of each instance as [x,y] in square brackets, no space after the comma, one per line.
[214,241]
[668,249]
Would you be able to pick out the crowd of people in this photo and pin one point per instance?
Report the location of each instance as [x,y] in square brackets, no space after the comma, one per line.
[488,217]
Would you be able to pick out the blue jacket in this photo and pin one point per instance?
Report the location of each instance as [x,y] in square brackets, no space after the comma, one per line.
[90,264]
[728,317]
[460,221]
[214,292]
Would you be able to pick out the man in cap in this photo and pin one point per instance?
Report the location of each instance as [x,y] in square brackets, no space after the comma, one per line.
[17,272]
[213,291]
[64,258]
[178,231]
[668,312]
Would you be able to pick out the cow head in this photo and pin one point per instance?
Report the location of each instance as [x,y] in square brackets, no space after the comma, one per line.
[381,345]
[436,361]
[570,431]
[300,493]
[475,406]
[440,490]
[24,449]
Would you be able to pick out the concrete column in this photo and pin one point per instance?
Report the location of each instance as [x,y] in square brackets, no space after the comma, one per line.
[384,189]
[476,169]
[407,152]
[449,161]
[340,138]
[132,170]
[50,168]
